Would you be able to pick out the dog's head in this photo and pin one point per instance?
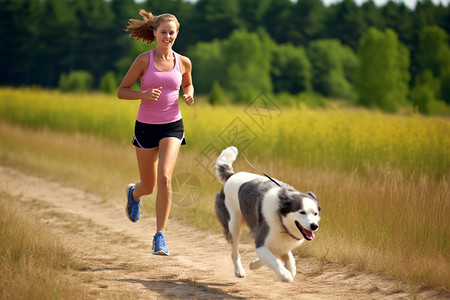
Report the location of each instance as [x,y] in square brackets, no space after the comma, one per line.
[300,213]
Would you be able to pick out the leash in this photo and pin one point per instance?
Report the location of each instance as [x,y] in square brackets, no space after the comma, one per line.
[273,180]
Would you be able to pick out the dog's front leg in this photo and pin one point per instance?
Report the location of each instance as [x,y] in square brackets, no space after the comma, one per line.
[290,263]
[266,256]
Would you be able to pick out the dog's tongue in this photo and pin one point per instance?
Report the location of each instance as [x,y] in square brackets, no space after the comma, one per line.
[309,235]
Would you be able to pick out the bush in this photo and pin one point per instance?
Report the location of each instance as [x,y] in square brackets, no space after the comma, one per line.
[76,81]
[248,57]
[108,83]
[312,99]
[216,95]
[382,75]
[291,70]
[333,68]
[422,97]
[424,94]
[434,55]
[207,58]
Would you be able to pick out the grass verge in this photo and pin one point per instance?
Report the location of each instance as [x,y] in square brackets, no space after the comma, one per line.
[34,264]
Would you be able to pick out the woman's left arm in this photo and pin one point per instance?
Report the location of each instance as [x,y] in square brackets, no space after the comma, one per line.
[186,83]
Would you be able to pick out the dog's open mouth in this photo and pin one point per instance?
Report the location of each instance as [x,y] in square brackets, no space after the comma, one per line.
[308,235]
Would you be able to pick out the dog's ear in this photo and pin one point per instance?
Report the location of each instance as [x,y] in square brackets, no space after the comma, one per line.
[288,202]
[312,195]
[285,202]
[315,198]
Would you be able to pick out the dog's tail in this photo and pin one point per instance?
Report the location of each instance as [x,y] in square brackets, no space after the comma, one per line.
[224,163]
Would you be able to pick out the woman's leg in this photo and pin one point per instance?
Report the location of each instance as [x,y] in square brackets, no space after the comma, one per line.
[148,163]
[168,154]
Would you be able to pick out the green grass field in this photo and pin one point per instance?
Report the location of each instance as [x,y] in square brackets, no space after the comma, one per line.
[382,179]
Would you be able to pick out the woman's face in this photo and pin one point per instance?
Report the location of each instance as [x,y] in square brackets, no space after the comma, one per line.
[166,33]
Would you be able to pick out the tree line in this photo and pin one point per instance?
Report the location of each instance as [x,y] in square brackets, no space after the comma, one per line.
[379,56]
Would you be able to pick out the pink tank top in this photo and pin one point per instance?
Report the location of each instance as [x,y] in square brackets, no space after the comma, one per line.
[165,109]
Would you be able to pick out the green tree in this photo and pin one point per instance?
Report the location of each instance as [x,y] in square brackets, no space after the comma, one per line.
[372,15]
[346,23]
[248,57]
[400,18]
[40,39]
[214,19]
[308,20]
[382,76]
[274,21]
[333,67]
[434,51]
[291,69]
[95,19]
[53,52]
[18,38]
[427,14]
[208,63]
[434,56]
[252,12]
[122,10]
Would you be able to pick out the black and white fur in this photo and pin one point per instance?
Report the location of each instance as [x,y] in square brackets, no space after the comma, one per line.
[279,217]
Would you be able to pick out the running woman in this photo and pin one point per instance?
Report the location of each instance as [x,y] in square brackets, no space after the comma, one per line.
[159,130]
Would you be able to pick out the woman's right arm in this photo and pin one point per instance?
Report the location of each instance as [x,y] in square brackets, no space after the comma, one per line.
[138,68]
[134,72]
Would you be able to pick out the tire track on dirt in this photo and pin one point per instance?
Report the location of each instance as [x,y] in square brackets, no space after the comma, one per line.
[117,263]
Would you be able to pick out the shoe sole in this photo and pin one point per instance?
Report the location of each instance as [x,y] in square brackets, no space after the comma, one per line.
[126,205]
[161,252]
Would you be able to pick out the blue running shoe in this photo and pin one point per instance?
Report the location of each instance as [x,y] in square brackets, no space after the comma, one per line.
[159,245]
[132,208]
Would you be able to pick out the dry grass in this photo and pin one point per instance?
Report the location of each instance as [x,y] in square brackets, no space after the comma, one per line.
[385,224]
[34,264]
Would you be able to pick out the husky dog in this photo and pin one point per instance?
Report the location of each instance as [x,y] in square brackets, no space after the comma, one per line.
[279,217]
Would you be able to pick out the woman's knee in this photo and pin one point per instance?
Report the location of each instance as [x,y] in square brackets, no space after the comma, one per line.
[164,180]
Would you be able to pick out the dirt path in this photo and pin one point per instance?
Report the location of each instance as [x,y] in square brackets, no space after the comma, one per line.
[119,263]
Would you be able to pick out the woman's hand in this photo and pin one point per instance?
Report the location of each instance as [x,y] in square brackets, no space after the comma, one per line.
[152,94]
[188,99]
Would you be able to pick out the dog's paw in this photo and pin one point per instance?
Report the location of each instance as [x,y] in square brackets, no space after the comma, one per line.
[238,269]
[292,269]
[290,266]
[240,273]
[285,276]
[256,264]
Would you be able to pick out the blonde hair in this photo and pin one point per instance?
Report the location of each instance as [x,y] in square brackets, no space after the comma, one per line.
[143,29]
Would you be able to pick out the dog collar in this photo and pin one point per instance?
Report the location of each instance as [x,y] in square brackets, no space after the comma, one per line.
[287,231]
[290,234]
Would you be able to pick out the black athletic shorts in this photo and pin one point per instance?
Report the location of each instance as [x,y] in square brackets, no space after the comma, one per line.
[147,136]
